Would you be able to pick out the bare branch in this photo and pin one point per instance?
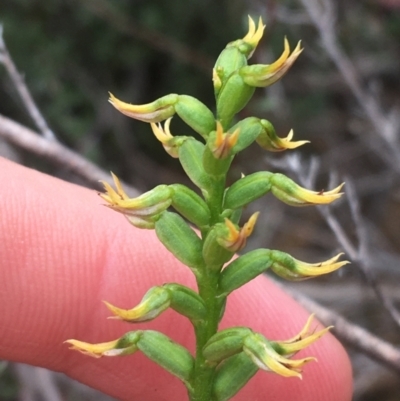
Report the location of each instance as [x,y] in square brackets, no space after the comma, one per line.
[23,91]
[386,126]
[55,152]
[364,254]
[360,254]
[352,334]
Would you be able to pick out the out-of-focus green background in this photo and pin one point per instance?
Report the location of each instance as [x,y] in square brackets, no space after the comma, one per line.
[72,52]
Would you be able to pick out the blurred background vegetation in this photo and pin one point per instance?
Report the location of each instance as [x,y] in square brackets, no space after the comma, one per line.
[343,94]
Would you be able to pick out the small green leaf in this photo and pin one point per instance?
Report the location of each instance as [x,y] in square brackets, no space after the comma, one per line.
[179,239]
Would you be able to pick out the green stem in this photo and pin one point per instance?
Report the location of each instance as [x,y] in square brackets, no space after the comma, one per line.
[207,282]
[203,373]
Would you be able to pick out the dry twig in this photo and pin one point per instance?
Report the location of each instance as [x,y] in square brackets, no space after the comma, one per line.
[352,334]
[386,125]
[54,152]
[23,91]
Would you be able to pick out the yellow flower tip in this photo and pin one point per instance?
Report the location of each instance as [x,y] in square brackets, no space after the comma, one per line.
[128,109]
[219,138]
[223,142]
[118,185]
[307,270]
[236,239]
[216,79]
[321,197]
[254,35]
[111,196]
[116,311]
[286,59]
[233,231]
[249,226]
[286,143]
[233,138]
[154,112]
[128,315]
[162,134]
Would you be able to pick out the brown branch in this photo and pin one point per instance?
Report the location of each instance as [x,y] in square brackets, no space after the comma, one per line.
[386,125]
[54,152]
[23,91]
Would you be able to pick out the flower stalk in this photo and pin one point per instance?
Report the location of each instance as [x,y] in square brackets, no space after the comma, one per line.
[205,231]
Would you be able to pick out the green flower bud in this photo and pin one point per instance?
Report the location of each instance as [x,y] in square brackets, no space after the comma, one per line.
[232,97]
[244,269]
[180,239]
[236,53]
[225,343]
[190,205]
[247,189]
[270,141]
[142,211]
[178,297]
[263,355]
[186,302]
[232,375]
[195,114]
[155,301]
[249,129]
[168,354]
[191,158]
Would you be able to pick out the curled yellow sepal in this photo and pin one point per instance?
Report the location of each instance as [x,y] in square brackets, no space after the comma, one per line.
[154,302]
[260,75]
[268,139]
[170,143]
[293,194]
[254,35]
[308,270]
[111,348]
[263,354]
[292,269]
[236,238]
[153,112]
[141,211]
[301,340]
